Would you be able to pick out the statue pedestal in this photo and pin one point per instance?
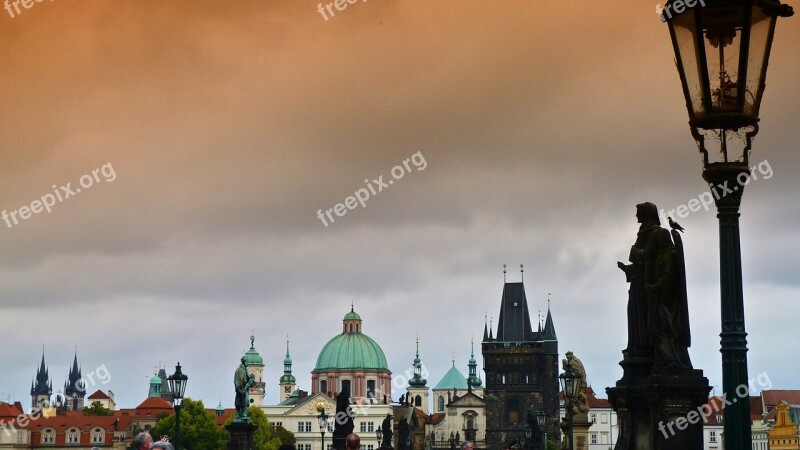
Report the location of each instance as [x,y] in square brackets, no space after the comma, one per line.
[580,431]
[241,435]
[660,411]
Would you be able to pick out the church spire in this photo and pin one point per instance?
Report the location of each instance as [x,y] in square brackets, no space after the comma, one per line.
[549,327]
[287,378]
[417,380]
[485,328]
[473,381]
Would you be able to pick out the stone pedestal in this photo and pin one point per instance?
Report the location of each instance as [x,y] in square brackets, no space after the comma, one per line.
[580,431]
[241,435]
[660,411]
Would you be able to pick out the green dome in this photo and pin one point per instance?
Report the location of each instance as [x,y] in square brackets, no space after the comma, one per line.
[252,357]
[352,315]
[155,380]
[349,351]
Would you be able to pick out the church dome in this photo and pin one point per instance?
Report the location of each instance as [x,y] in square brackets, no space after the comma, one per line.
[252,357]
[352,349]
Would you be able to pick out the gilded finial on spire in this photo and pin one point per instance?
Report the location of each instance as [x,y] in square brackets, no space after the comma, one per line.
[453,359]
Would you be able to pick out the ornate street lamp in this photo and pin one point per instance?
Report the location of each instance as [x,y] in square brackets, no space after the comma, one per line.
[528,434]
[322,418]
[379,435]
[541,420]
[177,387]
[722,49]
[569,385]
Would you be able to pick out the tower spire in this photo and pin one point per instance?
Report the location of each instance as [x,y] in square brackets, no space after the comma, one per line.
[485,326]
[417,380]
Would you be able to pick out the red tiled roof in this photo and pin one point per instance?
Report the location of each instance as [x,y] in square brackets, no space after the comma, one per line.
[99,395]
[773,397]
[595,402]
[435,418]
[7,410]
[155,403]
[756,411]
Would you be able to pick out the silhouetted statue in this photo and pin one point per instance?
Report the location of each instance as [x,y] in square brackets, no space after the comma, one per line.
[386,427]
[402,400]
[669,309]
[640,273]
[403,431]
[344,418]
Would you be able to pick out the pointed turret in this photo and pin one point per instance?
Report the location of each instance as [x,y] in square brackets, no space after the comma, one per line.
[514,323]
[549,328]
[473,381]
[42,387]
[288,380]
[417,380]
[74,388]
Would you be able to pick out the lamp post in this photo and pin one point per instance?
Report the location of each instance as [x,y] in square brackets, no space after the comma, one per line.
[722,49]
[569,385]
[528,435]
[322,418]
[541,420]
[177,387]
[379,436]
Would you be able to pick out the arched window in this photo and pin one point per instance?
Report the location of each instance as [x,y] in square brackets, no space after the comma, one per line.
[441,403]
[418,401]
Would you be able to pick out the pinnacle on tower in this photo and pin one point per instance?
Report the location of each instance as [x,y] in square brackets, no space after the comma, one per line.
[417,380]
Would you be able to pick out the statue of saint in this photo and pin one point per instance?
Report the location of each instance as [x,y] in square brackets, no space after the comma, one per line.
[640,273]
[386,427]
[344,415]
[242,382]
[669,310]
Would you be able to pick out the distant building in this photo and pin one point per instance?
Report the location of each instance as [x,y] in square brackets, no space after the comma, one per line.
[349,361]
[521,367]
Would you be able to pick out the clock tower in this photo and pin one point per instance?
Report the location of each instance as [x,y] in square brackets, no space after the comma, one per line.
[288,381]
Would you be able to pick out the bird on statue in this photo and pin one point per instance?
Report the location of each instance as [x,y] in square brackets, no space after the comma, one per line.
[675,225]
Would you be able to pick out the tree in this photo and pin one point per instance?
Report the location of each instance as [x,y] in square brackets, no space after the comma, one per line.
[265,436]
[198,431]
[286,436]
[552,445]
[96,409]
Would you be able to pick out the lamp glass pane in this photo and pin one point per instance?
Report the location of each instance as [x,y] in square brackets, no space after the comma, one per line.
[684,29]
[722,33]
[761,33]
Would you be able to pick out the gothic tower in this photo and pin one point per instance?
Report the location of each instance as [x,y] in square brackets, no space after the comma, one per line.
[521,369]
[288,381]
[42,387]
[74,387]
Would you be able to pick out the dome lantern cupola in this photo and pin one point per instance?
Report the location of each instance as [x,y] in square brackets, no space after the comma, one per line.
[351,322]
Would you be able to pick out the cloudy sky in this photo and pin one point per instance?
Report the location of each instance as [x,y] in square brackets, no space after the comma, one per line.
[227,126]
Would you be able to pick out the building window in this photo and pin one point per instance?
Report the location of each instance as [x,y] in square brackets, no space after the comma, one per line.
[20,438]
[98,437]
[323,386]
[603,418]
[72,438]
[346,387]
[370,388]
[712,436]
[369,447]
[441,403]
[593,417]
[303,427]
[418,401]
[277,424]
[593,438]
[331,424]
[48,438]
